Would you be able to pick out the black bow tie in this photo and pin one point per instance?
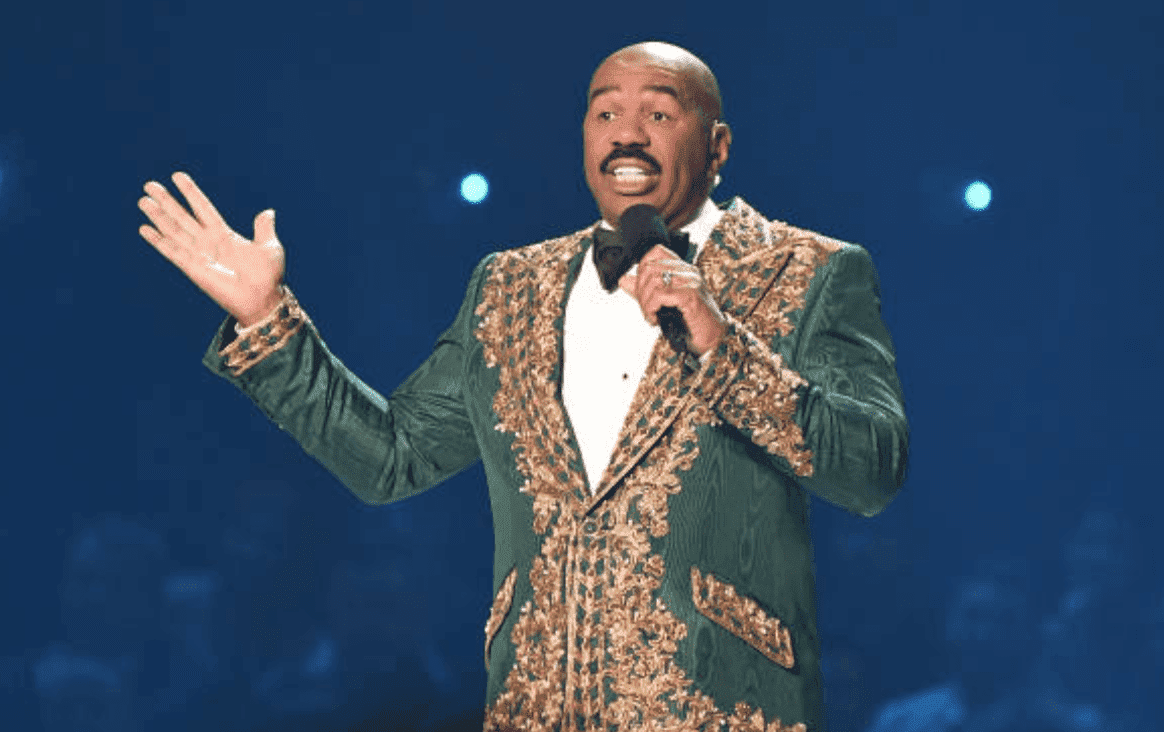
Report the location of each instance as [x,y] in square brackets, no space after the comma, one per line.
[610,254]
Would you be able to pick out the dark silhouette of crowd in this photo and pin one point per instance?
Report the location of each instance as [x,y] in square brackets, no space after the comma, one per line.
[271,633]
[1087,656]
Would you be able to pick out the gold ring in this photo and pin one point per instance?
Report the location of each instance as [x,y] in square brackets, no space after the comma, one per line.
[666,279]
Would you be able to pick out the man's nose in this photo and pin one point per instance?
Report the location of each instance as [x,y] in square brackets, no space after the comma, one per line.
[631,131]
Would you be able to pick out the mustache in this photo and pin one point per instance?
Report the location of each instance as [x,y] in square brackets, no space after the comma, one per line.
[629,153]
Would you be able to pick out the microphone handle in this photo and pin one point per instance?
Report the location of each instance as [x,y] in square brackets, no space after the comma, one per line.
[674,328]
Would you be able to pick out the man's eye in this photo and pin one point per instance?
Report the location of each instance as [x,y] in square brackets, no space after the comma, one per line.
[605,116]
[660,116]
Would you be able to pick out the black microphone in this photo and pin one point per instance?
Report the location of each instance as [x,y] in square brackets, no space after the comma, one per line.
[640,228]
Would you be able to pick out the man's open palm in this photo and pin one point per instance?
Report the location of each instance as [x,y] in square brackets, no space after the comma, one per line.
[242,276]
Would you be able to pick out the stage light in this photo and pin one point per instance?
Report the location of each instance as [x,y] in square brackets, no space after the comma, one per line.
[474,188]
[977,195]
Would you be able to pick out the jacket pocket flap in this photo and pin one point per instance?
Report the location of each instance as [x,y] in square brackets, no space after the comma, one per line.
[742,617]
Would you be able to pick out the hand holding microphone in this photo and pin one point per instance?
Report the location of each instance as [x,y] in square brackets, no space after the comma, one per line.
[671,292]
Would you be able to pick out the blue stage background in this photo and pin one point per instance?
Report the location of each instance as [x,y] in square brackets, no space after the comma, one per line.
[171,560]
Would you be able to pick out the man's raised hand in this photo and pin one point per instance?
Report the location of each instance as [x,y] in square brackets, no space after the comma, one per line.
[240,275]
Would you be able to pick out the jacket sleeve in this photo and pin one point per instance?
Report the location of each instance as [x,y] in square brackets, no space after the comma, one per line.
[381,449]
[823,400]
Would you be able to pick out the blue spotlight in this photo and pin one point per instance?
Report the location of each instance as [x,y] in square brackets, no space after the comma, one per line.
[474,188]
[977,195]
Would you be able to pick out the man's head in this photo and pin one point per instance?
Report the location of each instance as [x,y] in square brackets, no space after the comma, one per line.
[653,132]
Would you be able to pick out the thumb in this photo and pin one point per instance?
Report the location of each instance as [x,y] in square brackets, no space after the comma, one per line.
[627,283]
[265,226]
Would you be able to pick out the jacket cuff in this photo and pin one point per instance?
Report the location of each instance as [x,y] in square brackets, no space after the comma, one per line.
[748,385]
[261,339]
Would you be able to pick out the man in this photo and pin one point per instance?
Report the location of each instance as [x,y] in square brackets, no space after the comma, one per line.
[652,563]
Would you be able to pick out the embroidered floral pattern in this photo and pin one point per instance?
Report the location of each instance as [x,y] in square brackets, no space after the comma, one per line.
[595,646]
[522,311]
[742,616]
[265,337]
[746,720]
[762,400]
[501,605]
[640,634]
[521,314]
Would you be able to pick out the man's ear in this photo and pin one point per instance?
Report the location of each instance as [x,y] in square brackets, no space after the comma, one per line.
[720,141]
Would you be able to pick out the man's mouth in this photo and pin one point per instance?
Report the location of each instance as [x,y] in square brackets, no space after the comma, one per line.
[626,173]
[631,162]
[631,176]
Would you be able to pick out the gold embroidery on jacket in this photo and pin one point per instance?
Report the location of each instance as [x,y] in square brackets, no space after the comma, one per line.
[742,617]
[521,324]
[595,645]
[500,609]
[746,720]
[640,635]
[265,337]
[740,269]
[763,400]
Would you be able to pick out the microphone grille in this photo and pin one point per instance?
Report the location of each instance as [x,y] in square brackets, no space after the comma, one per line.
[641,226]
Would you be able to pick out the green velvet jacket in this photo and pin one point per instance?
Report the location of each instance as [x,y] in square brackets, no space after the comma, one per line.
[678,595]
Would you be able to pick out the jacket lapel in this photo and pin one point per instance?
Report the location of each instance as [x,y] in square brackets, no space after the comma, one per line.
[522,329]
[740,262]
[522,313]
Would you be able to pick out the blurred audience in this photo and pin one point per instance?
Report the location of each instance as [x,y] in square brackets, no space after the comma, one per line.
[1090,642]
[80,692]
[113,661]
[847,671]
[274,632]
[1089,665]
[990,643]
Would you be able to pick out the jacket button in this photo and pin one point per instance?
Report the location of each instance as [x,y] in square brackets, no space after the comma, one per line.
[589,528]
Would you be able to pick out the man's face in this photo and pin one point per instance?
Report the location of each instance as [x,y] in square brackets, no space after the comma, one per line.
[645,141]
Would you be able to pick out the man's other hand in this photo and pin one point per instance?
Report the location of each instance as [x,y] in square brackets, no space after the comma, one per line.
[242,276]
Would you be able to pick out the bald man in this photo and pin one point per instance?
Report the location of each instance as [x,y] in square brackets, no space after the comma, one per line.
[653,561]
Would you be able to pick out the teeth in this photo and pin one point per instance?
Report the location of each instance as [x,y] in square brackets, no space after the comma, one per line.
[623,172]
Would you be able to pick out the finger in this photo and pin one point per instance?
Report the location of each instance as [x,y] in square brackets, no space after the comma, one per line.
[164,223]
[659,252]
[660,299]
[656,267]
[176,211]
[680,280]
[653,275]
[177,255]
[648,287]
[205,211]
[627,283]
[193,264]
[265,227]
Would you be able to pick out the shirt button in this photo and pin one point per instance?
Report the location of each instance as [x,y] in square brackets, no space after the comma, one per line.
[625,376]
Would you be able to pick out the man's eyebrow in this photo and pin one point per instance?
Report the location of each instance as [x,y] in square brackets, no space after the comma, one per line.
[665,89]
[601,90]
[661,88]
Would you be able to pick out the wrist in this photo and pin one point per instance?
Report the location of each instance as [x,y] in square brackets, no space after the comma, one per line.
[264,337]
[263,314]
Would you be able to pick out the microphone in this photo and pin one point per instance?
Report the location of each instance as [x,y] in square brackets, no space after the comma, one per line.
[640,228]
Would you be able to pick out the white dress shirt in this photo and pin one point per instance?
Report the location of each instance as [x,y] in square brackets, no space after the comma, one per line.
[607,345]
